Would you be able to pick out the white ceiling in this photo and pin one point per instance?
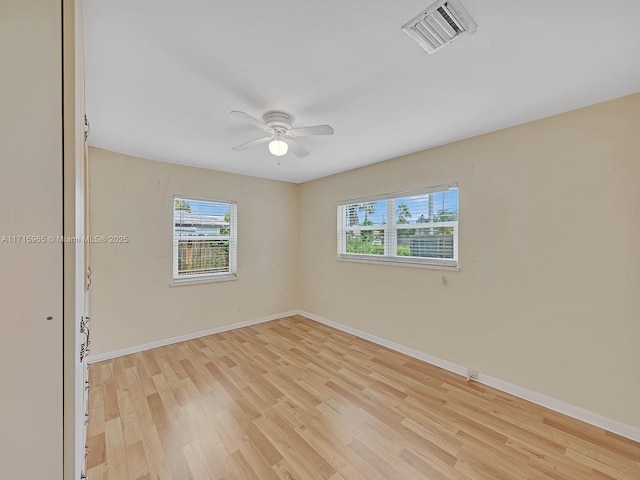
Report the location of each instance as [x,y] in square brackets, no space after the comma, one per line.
[162,75]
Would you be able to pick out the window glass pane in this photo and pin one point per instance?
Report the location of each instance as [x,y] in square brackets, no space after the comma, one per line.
[437,242]
[427,208]
[201,256]
[202,237]
[365,242]
[366,214]
[420,228]
[200,218]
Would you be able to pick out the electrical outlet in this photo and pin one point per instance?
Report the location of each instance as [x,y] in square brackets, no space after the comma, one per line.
[472,374]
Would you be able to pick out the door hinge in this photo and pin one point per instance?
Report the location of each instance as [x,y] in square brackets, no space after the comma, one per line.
[84,352]
[84,324]
[87,127]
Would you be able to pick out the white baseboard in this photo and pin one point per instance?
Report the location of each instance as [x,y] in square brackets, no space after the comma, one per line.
[559,406]
[438,362]
[188,336]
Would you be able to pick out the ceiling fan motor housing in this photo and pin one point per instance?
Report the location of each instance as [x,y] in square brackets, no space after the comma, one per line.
[278,120]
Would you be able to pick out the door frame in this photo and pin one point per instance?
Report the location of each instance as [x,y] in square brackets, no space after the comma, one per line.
[74,259]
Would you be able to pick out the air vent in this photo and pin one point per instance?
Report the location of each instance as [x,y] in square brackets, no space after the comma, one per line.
[439,25]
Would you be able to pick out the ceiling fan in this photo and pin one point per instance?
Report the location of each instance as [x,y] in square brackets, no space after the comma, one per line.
[280,134]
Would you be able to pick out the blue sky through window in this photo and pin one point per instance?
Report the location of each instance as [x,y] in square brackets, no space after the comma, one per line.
[201,207]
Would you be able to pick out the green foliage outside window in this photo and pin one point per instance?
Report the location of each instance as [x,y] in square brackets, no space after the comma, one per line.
[203,256]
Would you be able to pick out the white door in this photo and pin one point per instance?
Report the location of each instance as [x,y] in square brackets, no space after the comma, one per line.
[31,296]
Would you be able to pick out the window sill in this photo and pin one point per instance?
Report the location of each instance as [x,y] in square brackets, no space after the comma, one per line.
[197,281]
[391,263]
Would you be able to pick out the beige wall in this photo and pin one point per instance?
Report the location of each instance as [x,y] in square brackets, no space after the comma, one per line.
[548,287]
[31,401]
[132,302]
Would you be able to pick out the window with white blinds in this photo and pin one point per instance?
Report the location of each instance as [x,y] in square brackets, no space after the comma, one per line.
[420,227]
[204,239]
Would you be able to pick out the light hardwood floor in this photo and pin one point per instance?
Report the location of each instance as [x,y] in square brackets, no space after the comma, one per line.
[295,400]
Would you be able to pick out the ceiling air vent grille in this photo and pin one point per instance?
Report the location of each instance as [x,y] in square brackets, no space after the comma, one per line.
[439,25]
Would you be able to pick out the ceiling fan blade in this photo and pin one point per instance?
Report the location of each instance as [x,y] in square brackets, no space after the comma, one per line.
[297,150]
[252,143]
[308,131]
[250,119]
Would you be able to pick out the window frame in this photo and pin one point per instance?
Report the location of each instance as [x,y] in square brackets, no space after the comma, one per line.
[232,238]
[391,228]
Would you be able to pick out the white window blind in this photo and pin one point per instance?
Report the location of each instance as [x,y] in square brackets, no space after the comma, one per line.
[420,226]
[204,238]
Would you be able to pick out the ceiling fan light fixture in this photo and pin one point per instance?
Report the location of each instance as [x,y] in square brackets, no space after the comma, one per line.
[279,133]
[278,147]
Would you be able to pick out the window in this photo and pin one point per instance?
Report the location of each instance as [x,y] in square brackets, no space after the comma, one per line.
[204,239]
[411,227]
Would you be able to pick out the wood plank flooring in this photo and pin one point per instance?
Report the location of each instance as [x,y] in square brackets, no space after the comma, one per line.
[295,400]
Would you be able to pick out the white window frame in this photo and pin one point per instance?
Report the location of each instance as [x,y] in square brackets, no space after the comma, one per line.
[391,230]
[232,238]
